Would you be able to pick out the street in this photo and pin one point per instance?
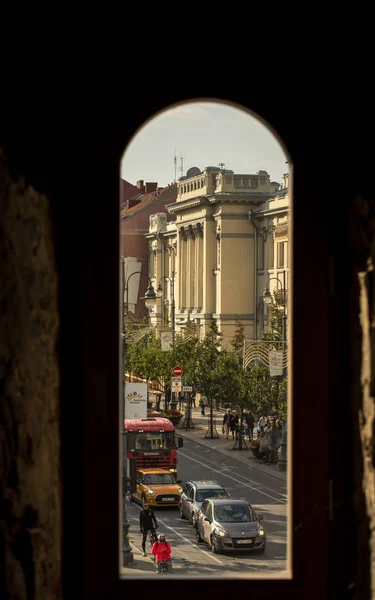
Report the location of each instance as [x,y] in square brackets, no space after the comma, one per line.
[190,558]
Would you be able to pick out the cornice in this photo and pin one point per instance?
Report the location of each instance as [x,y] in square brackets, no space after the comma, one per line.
[185,204]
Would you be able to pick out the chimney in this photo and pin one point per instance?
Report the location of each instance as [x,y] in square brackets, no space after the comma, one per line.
[150,186]
[140,186]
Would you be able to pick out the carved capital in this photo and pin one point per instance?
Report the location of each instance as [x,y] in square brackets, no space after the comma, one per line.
[183,233]
[172,247]
[198,229]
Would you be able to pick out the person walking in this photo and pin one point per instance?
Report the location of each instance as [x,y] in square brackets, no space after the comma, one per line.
[233,424]
[276,438]
[264,445]
[226,423]
[250,425]
[202,404]
[261,424]
[147,522]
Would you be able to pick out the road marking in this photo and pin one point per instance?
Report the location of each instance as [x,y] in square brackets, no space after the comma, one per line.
[185,539]
[234,479]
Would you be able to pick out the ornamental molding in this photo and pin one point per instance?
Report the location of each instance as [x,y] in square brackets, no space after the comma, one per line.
[281,230]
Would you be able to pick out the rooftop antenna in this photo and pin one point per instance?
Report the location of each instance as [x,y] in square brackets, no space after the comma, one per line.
[175,164]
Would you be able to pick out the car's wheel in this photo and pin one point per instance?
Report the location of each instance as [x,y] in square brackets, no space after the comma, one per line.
[198,535]
[262,550]
[194,520]
[181,513]
[214,546]
[143,500]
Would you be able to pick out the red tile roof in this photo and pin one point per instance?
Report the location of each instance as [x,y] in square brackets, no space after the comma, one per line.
[149,199]
[127,191]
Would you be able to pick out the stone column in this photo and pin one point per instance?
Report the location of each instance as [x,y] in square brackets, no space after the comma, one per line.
[198,300]
[190,279]
[182,268]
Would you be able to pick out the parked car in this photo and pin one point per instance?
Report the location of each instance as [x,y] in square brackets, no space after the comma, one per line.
[157,487]
[230,524]
[195,492]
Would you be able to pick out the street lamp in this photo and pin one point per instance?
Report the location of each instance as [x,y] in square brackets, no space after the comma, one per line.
[127,555]
[267,298]
[160,289]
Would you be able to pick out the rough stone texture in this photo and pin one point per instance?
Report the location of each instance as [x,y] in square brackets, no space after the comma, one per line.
[30,488]
[362,237]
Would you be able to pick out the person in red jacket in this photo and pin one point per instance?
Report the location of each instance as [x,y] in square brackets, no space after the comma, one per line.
[162,551]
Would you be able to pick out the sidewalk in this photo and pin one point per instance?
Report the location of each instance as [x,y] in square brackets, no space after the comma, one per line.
[221,444]
[144,564]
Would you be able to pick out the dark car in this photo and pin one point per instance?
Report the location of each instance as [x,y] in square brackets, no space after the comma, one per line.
[195,492]
[230,524]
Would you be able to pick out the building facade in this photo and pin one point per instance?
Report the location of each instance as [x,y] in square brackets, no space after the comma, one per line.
[135,211]
[228,240]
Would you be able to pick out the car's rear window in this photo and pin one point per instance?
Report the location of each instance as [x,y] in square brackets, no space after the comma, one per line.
[210,493]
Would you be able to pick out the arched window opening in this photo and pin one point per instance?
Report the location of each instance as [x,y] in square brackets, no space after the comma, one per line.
[206,278]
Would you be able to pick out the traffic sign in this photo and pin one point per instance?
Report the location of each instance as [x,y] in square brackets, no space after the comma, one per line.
[187,388]
[176,379]
[177,371]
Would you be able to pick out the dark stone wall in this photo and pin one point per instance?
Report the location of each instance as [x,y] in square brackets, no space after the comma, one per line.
[71,154]
[30,513]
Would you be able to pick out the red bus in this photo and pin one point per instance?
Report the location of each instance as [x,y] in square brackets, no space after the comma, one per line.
[151,443]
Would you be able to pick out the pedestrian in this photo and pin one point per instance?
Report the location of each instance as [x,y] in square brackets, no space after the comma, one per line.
[264,445]
[147,522]
[261,423]
[245,431]
[202,404]
[193,400]
[250,425]
[276,438]
[162,552]
[226,424]
[233,424]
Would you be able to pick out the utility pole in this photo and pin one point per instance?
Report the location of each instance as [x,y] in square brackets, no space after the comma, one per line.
[127,555]
[282,463]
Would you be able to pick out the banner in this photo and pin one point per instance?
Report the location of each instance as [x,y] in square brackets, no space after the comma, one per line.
[135,400]
[275,358]
[166,340]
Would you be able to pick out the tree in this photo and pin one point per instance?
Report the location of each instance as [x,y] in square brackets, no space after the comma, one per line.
[207,359]
[145,358]
[275,387]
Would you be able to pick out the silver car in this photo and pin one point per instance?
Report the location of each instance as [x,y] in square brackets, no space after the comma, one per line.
[195,492]
[230,524]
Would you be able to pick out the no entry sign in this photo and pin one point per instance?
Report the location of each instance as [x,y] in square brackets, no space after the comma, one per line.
[177,371]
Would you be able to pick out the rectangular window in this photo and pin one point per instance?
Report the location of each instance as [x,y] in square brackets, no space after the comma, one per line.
[271,251]
[260,253]
[280,254]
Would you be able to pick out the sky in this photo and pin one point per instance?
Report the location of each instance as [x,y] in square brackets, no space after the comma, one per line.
[202,134]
